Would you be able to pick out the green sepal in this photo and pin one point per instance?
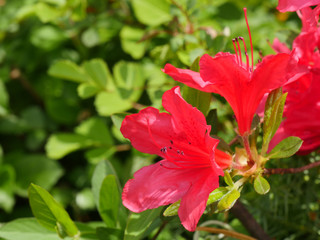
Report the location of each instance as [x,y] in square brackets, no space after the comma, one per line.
[286,148]
[228,200]
[214,196]
[228,179]
[172,210]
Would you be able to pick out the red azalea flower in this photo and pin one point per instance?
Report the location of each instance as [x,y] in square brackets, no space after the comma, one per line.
[191,164]
[302,116]
[243,86]
[302,108]
[294,5]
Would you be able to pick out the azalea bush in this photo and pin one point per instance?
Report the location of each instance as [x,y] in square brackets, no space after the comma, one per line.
[159,119]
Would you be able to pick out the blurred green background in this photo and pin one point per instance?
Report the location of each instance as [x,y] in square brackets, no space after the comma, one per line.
[70,70]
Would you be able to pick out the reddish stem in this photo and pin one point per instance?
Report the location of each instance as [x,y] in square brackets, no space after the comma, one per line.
[290,170]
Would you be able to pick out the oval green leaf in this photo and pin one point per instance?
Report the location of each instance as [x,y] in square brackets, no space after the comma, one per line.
[109,201]
[286,148]
[50,213]
[261,185]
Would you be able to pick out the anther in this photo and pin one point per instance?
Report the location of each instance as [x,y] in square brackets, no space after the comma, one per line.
[239,50]
[235,50]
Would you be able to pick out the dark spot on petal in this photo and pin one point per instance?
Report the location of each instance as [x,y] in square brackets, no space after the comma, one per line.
[171,141]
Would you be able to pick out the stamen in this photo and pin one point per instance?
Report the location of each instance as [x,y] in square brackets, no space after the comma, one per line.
[235,50]
[239,50]
[245,52]
[245,15]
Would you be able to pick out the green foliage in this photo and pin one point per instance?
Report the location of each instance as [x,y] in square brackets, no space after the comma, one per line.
[286,148]
[49,213]
[28,229]
[70,71]
[272,115]
[261,185]
[138,223]
[198,99]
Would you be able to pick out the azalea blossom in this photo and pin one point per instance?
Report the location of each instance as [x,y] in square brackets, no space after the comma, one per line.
[302,118]
[294,5]
[242,85]
[191,164]
[302,108]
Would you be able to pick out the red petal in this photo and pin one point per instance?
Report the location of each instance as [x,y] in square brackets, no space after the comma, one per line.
[280,47]
[194,201]
[155,186]
[294,5]
[148,130]
[186,118]
[231,81]
[188,77]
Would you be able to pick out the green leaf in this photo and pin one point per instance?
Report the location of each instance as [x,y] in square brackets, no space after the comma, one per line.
[99,73]
[108,103]
[30,229]
[34,168]
[84,199]
[90,37]
[68,70]
[261,185]
[46,13]
[129,79]
[130,38]
[109,201]
[95,129]
[87,90]
[129,76]
[63,109]
[212,120]
[47,37]
[215,196]
[273,115]
[26,229]
[7,179]
[4,99]
[228,200]
[152,12]
[96,155]
[117,119]
[61,144]
[286,148]
[102,170]
[49,213]
[138,223]
[200,100]
[109,233]
[172,210]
